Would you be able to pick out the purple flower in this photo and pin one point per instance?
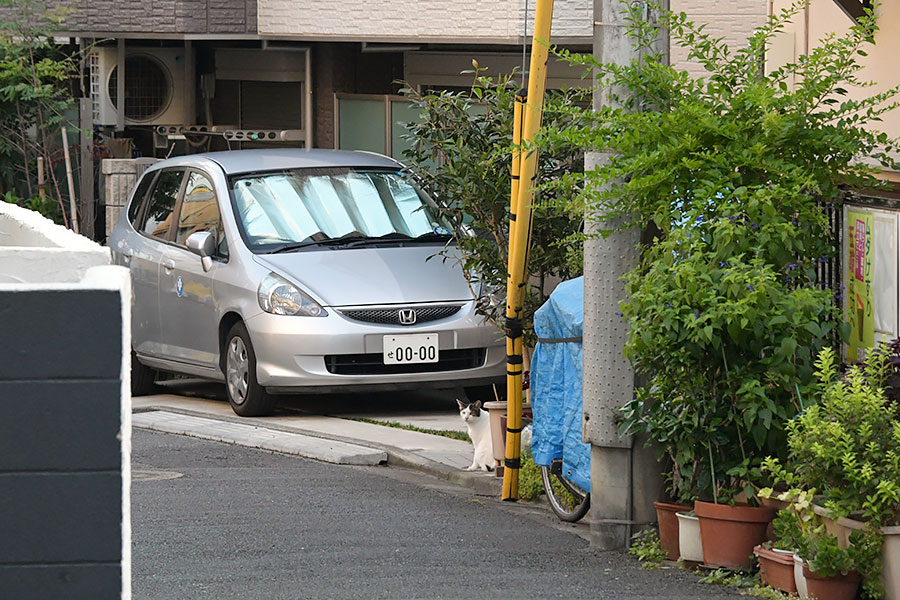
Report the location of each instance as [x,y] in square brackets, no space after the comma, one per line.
[792,266]
[822,259]
[751,288]
[700,219]
[669,304]
[721,263]
[838,297]
[754,226]
[696,314]
[618,314]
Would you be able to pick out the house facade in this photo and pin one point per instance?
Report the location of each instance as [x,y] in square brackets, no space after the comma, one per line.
[870,220]
[315,73]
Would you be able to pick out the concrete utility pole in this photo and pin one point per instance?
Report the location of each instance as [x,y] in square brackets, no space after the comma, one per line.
[625,476]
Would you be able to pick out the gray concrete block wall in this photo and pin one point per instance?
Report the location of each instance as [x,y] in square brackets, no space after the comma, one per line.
[61,458]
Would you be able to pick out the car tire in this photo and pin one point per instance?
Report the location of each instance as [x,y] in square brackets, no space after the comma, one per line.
[143,378]
[246,396]
[485,393]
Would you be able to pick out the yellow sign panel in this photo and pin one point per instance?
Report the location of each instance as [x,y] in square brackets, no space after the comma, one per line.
[860,313]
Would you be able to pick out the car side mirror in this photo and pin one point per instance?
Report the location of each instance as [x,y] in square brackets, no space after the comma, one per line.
[203,244]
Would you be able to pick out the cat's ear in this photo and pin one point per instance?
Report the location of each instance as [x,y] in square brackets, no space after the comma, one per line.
[477,404]
[461,405]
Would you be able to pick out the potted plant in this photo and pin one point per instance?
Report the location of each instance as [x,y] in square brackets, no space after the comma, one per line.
[830,570]
[657,418]
[725,347]
[725,311]
[847,446]
[776,567]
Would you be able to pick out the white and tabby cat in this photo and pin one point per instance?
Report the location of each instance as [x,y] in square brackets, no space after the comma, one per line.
[478,423]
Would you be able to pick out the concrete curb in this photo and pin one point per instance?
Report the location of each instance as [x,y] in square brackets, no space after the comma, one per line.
[331,451]
[483,484]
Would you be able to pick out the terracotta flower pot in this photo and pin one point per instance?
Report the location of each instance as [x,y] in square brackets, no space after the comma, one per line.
[839,587]
[668,526]
[776,569]
[730,533]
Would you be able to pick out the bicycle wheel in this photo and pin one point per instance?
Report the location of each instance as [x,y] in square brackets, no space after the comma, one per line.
[568,501]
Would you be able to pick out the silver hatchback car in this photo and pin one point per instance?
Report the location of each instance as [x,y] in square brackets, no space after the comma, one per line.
[285,271]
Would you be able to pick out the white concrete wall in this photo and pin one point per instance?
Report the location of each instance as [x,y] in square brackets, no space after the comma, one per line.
[733,20]
[486,21]
[33,249]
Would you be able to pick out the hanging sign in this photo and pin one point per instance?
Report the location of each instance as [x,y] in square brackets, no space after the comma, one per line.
[860,313]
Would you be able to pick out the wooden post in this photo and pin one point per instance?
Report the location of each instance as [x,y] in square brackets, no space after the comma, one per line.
[72,206]
[42,185]
[86,172]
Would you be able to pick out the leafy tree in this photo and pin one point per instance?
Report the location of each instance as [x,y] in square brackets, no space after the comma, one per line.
[461,148]
[34,96]
[735,171]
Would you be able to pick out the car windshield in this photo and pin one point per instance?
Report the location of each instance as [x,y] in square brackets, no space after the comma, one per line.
[288,210]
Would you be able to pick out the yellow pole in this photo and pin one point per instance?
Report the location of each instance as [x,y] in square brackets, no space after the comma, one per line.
[520,207]
[518,113]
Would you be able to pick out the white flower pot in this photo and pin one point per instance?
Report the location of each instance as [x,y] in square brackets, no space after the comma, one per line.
[689,545]
[890,560]
[799,578]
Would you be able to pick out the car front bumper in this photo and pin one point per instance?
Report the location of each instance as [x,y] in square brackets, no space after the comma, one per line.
[335,353]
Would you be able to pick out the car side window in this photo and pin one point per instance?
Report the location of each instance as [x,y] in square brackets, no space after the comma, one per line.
[200,211]
[134,209]
[162,203]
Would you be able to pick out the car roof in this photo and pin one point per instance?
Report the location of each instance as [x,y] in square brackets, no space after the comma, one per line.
[276,159]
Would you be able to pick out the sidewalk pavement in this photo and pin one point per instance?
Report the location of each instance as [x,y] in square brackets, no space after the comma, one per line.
[330,439]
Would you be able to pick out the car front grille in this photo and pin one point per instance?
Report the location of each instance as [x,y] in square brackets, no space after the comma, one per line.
[373,364]
[391,316]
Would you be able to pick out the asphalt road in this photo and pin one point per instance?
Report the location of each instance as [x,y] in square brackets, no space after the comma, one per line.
[211,520]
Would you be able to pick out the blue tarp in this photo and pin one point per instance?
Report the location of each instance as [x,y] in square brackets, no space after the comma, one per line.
[556,384]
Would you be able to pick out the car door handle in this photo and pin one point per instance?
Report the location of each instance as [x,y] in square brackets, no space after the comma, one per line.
[168,265]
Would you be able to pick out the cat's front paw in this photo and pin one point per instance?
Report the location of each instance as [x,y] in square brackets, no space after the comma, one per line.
[471,468]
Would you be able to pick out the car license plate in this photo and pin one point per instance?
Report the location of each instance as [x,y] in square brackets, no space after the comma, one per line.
[410,349]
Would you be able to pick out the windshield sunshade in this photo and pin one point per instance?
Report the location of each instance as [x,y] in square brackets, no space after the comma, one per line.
[308,207]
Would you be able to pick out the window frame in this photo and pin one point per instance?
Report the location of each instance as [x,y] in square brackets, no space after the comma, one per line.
[149,197]
[180,202]
[142,201]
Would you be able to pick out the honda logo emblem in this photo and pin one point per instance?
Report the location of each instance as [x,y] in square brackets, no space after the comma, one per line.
[407,316]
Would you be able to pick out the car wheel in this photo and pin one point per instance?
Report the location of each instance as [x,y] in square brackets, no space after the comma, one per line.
[485,393]
[246,396]
[143,378]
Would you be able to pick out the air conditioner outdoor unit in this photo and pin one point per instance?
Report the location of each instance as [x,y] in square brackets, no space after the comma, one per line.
[154,86]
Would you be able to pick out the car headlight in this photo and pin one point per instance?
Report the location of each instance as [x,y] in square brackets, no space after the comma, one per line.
[278,296]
